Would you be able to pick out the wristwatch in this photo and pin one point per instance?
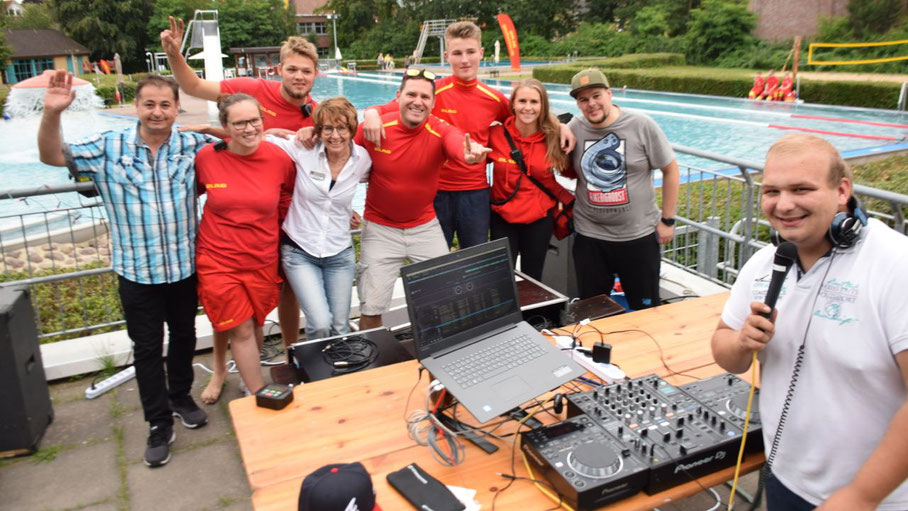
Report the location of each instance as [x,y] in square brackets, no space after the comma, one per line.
[668,221]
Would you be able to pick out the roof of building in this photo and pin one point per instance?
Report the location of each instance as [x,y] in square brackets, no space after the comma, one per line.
[42,43]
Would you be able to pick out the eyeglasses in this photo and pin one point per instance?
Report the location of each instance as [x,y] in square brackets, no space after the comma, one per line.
[241,125]
[342,130]
[414,72]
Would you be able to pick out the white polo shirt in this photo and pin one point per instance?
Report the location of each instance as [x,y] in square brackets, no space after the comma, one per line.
[849,386]
[319,216]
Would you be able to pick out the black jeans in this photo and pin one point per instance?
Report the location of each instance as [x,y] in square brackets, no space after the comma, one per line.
[465,213]
[780,498]
[636,262]
[147,307]
[531,241]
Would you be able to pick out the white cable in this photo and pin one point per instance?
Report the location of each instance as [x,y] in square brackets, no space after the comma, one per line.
[718,500]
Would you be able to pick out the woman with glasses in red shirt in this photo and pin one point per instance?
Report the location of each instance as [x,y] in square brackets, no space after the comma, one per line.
[248,183]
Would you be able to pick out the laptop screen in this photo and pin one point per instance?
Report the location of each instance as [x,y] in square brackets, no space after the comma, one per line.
[460,295]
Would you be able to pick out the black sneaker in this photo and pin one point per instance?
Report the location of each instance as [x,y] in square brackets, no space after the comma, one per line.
[189,413]
[158,451]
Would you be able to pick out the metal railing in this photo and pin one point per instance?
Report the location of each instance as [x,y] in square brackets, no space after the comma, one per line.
[62,254]
[720,224]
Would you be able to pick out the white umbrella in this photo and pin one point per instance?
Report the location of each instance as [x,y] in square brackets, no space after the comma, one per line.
[497,50]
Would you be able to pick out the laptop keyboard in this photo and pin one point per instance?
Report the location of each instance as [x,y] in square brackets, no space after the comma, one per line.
[493,360]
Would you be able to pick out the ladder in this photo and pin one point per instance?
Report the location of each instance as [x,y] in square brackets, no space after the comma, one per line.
[431,28]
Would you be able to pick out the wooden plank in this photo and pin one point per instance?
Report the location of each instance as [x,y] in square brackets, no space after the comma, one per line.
[360,415]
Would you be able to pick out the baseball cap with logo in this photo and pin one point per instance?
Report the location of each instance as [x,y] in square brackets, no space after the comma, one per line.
[587,78]
[338,487]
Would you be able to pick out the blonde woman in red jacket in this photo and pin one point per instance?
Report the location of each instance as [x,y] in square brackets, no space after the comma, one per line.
[521,210]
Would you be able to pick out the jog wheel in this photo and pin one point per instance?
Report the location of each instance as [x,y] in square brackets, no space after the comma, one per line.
[737,405]
[597,461]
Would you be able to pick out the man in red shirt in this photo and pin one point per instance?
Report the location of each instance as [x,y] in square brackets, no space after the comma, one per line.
[286,105]
[400,222]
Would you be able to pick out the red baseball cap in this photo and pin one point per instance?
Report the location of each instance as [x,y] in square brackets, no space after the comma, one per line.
[338,487]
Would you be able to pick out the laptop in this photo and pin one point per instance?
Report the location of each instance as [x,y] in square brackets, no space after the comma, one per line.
[469,333]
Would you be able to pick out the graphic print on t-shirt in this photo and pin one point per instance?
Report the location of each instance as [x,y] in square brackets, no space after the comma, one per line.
[605,168]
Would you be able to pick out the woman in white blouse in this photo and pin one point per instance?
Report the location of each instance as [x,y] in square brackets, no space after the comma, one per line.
[316,249]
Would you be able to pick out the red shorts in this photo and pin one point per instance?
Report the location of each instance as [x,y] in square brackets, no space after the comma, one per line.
[230,296]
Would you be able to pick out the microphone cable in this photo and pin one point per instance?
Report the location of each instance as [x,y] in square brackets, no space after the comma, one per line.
[350,355]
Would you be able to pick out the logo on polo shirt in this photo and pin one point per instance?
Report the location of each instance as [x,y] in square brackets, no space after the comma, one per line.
[209,186]
[502,159]
[448,111]
[272,113]
[380,150]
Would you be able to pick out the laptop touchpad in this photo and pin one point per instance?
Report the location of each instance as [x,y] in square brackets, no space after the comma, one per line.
[511,386]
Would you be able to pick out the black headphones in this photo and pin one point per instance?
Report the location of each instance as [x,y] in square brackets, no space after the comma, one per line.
[845,228]
[306,110]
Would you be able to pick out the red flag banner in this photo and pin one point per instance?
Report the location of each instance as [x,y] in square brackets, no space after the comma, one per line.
[510,39]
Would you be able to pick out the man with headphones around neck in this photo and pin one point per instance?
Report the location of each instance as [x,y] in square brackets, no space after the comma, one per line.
[845,439]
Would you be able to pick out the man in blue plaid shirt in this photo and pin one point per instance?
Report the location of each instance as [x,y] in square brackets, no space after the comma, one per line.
[146,176]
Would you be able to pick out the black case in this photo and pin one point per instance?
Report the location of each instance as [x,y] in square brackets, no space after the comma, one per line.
[420,488]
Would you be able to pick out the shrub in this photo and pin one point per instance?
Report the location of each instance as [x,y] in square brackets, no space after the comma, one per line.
[728,82]
[109,93]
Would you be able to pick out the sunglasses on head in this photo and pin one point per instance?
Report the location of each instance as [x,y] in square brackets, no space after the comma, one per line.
[428,75]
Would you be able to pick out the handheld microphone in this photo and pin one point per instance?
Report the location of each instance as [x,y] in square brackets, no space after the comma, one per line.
[785,257]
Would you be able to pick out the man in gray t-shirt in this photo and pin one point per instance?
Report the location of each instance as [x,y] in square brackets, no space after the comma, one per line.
[619,227]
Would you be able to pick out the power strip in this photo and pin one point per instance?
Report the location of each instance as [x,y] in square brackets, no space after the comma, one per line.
[101,387]
[610,373]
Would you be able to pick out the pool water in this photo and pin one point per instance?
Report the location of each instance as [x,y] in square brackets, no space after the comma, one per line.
[733,127]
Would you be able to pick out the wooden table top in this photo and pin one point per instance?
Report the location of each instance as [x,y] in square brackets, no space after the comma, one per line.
[360,417]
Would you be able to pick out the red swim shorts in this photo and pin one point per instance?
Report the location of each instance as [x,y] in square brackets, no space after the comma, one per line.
[231,296]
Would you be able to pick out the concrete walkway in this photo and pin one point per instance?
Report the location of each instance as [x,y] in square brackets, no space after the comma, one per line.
[91,457]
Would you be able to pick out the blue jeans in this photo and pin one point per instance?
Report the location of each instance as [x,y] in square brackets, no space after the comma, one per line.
[323,286]
[780,498]
[465,213]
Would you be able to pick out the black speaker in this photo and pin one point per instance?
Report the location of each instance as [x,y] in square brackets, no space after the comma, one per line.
[24,395]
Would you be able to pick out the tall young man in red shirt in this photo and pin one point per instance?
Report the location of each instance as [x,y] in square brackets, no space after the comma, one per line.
[400,222]
[286,105]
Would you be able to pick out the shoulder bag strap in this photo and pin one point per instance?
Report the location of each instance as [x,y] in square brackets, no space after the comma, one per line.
[517,156]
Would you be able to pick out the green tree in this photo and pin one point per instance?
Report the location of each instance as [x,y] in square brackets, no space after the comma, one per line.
[246,23]
[106,27]
[870,17]
[35,16]
[183,9]
[358,17]
[649,22]
[5,50]
[716,28]
[545,19]
[595,39]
